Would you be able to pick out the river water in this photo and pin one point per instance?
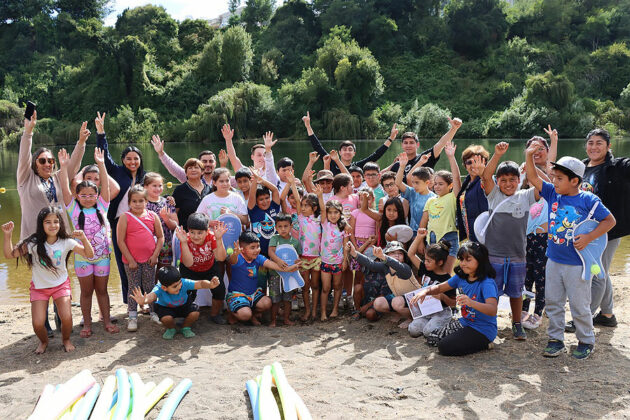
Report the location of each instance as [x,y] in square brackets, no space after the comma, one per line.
[14,280]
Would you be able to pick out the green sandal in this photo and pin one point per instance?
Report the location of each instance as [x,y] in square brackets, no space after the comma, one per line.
[169,333]
[187,332]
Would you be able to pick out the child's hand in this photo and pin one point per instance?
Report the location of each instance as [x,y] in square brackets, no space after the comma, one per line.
[99,156]
[318,190]
[236,248]
[64,158]
[449,149]
[371,240]
[223,158]
[351,249]
[138,296]
[313,157]
[403,159]
[171,200]
[581,241]
[214,282]
[501,148]
[84,133]
[307,119]
[389,237]
[78,234]
[133,265]
[224,210]
[394,133]
[463,300]
[293,268]
[533,148]
[219,230]
[422,232]
[227,133]
[334,155]
[268,140]
[181,234]
[166,213]
[7,228]
[284,266]
[256,178]
[153,260]
[291,177]
[363,197]
[378,253]
[455,123]
[327,159]
[424,159]
[419,297]
[553,134]
[478,166]
[99,122]
[344,264]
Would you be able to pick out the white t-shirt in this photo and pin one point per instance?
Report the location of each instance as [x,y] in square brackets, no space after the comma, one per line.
[43,278]
[211,205]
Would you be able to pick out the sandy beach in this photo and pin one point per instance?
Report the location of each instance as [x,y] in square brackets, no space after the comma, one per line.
[342,369]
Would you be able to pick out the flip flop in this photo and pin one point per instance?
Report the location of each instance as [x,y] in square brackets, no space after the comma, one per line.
[86,333]
[112,329]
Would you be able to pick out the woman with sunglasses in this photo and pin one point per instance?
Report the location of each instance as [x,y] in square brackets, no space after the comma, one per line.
[471,200]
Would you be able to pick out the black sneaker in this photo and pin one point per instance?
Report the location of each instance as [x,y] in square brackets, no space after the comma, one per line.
[582,351]
[569,327]
[518,331]
[554,348]
[604,321]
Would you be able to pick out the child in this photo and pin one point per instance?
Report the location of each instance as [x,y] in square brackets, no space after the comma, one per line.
[243,179]
[172,300]
[388,182]
[438,218]
[568,206]
[140,240]
[88,213]
[372,174]
[154,185]
[46,252]
[202,256]
[396,267]
[246,301]
[263,206]
[418,194]
[431,271]
[91,173]
[334,238]
[510,207]
[393,215]
[357,178]
[324,178]
[276,293]
[223,200]
[478,298]
[288,200]
[285,165]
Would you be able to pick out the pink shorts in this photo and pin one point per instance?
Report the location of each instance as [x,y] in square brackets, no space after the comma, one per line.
[52,292]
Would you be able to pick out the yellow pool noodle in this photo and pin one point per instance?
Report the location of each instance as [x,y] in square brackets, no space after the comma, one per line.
[156,395]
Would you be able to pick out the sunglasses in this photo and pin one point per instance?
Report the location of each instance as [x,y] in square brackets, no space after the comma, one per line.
[43,161]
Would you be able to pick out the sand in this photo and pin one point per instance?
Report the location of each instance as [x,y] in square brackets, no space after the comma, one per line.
[342,368]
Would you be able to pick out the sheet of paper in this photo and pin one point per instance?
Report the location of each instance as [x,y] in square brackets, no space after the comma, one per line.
[430,305]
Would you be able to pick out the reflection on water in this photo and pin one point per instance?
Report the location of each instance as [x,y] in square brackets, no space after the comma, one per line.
[15,281]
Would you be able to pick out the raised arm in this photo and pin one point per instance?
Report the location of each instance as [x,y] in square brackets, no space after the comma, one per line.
[315,143]
[334,156]
[25,157]
[64,161]
[378,153]
[9,250]
[450,134]
[373,214]
[79,150]
[270,165]
[228,135]
[307,176]
[322,205]
[85,247]
[553,147]
[412,252]
[171,166]
[101,142]
[400,174]
[491,167]
[457,180]
[220,254]
[99,158]
[186,255]
[530,168]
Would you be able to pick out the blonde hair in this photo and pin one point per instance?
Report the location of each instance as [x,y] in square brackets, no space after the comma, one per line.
[151,177]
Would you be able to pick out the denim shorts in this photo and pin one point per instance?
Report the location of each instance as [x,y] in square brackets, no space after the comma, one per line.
[510,276]
[452,238]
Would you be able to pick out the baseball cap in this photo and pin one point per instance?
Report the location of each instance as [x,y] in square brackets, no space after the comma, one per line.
[324,174]
[571,164]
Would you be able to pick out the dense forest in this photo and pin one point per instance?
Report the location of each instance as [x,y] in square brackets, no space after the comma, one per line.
[358,65]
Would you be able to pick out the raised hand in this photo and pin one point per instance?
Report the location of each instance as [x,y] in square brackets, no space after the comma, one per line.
[333,155]
[307,119]
[363,197]
[99,156]
[166,213]
[317,189]
[478,165]
[269,141]
[29,125]
[449,149]
[236,248]
[455,123]
[313,157]
[256,178]
[403,160]
[223,158]
[7,228]
[228,133]
[501,148]
[78,234]
[423,159]
[533,148]
[99,122]
[553,134]
[327,159]
[393,133]
[378,252]
[84,133]
[64,158]
[219,230]
[158,144]
[170,198]
[291,177]
[181,234]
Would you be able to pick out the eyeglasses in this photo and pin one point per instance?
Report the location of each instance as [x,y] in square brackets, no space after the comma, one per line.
[85,196]
[43,161]
[389,185]
[371,175]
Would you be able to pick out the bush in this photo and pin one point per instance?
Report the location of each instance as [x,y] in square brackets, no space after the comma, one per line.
[428,121]
[132,127]
[520,120]
[379,124]
[341,125]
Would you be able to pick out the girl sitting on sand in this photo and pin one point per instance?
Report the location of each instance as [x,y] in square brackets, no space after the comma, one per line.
[478,298]
[46,252]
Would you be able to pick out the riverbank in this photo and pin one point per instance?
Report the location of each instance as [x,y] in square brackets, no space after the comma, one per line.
[341,368]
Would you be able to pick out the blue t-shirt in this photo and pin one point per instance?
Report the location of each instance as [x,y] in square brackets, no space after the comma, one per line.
[416,205]
[479,291]
[164,298]
[264,224]
[566,212]
[245,275]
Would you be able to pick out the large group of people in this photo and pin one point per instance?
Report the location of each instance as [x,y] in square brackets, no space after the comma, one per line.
[372,239]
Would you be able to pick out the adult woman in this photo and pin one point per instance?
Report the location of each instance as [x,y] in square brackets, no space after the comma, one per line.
[130,173]
[471,200]
[189,194]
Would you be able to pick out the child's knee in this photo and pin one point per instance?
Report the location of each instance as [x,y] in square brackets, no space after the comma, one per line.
[193,316]
[244,314]
[166,319]
[371,315]
[263,304]
[381,305]
[398,303]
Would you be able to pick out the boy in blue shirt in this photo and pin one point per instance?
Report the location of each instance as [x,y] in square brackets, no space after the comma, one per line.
[172,300]
[418,193]
[245,300]
[568,206]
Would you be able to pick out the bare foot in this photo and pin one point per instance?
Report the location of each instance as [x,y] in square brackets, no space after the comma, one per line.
[86,332]
[306,316]
[232,318]
[324,318]
[334,314]
[272,324]
[255,321]
[287,321]
[67,346]
[41,348]
[111,328]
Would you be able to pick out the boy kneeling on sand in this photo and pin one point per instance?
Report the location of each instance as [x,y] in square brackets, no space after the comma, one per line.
[172,300]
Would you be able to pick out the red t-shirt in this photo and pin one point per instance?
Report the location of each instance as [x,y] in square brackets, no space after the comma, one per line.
[203,255]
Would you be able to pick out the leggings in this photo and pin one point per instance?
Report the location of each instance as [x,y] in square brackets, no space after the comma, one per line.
[142,277]
[463,341]
[535,272]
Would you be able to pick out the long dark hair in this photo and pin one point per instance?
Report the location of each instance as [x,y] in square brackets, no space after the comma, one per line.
[394,201]
[88,184]
[311,200]
[36,155]
[39,240]
[140,171]
[480,253]
[341,223]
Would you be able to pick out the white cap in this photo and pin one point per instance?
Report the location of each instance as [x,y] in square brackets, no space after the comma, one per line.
[572,164]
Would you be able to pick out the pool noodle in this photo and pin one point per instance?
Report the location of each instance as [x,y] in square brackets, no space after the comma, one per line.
[84,409]
[104,402]
[286,396]
[148,387]
[174,399]
[43,400]
[300,407]
[137,395]
[122,407]
[157,393]
[67,394]
[252,390]
[267,406]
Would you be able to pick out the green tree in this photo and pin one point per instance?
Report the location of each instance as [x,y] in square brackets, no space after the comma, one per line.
[236,55]
[193,35]
[257,14]
[475,25]
[83,9]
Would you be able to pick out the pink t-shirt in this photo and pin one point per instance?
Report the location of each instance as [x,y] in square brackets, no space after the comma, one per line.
[364,225]
[349,203]
[310,235]
[139,240]
[332,243]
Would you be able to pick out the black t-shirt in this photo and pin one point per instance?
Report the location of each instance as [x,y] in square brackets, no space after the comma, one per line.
[592,177]
[430,163]
[187,200]
[429,278]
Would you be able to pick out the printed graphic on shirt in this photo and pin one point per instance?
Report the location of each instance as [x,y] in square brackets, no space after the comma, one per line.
[536,209]
[266,228]
[587,186]
[57,257]
[468,312]
[562,221]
